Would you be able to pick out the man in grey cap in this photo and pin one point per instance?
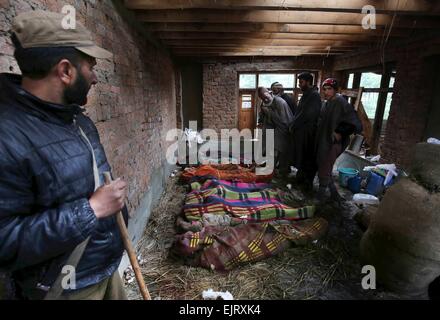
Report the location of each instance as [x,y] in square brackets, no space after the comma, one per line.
[51,166]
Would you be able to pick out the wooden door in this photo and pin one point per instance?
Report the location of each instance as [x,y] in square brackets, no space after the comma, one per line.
[246,109]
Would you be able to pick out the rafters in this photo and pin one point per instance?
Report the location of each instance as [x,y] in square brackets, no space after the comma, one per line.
[390,6]
[261,35]
[259,42]
[270,28]
[280,27]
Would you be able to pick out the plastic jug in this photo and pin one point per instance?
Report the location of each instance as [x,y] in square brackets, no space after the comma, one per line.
[375,184]
[354,184]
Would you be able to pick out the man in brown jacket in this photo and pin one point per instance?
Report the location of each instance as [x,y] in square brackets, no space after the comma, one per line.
[335,125]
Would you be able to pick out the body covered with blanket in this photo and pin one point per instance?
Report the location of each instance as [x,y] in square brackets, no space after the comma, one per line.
[232,223]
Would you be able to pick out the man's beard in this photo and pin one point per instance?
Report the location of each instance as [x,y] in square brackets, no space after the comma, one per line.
[77,93]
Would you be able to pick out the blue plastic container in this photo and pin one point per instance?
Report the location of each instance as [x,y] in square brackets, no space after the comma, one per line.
[354,184]
[375,184]
[345,174]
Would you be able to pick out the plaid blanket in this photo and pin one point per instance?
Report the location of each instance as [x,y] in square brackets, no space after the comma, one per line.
[260,206]
[230,185]
[220,192]
[249,211]
[230,172]
[224,248]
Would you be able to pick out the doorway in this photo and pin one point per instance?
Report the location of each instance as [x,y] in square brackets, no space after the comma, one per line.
[247,110]
[192,101]
[432,128]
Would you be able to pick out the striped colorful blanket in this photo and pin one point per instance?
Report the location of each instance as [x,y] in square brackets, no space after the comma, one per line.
[265,205]
[233,197]
[224,248]
[230,172]
[230,185]
[250,212]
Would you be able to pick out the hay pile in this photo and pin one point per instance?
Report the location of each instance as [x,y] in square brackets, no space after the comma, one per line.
[327,269]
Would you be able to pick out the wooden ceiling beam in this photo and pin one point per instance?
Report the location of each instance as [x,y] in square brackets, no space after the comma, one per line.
[260,49]
[390,6]
[271,53]
[261,35]
[259,42]
[270,28]
[281,16]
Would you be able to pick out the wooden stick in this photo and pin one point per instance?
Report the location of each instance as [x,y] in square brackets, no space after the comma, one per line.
[129,248]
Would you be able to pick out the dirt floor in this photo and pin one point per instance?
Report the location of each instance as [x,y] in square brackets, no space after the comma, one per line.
[327,269]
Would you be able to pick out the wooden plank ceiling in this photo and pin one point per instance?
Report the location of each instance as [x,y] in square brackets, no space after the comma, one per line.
[280,27]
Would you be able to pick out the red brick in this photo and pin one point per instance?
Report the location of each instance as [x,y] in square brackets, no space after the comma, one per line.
[118,103]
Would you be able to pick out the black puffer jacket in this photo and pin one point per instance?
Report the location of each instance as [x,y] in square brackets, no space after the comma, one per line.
[46,179]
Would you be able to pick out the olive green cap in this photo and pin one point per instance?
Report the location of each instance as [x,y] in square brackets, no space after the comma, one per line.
[35,29]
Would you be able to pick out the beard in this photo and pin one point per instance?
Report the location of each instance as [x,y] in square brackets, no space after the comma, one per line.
[77,92]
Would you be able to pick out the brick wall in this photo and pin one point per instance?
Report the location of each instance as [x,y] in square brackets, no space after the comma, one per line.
[134,104]
[178,99]
[412,92]
[220,84]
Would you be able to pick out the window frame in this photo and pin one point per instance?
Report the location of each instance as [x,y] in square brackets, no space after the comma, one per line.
[388,70]
[358,73]
[295,72]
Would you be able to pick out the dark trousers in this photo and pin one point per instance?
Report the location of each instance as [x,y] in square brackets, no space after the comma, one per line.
[306,174]
[282,160]
[325,168]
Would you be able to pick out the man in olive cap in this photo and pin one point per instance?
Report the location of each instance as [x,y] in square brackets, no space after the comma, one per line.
[51,200]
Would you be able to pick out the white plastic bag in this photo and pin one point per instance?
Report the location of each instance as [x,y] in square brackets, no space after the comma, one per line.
[193,136]
[363,198]
[390,168]
[214,295]
[433,141]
